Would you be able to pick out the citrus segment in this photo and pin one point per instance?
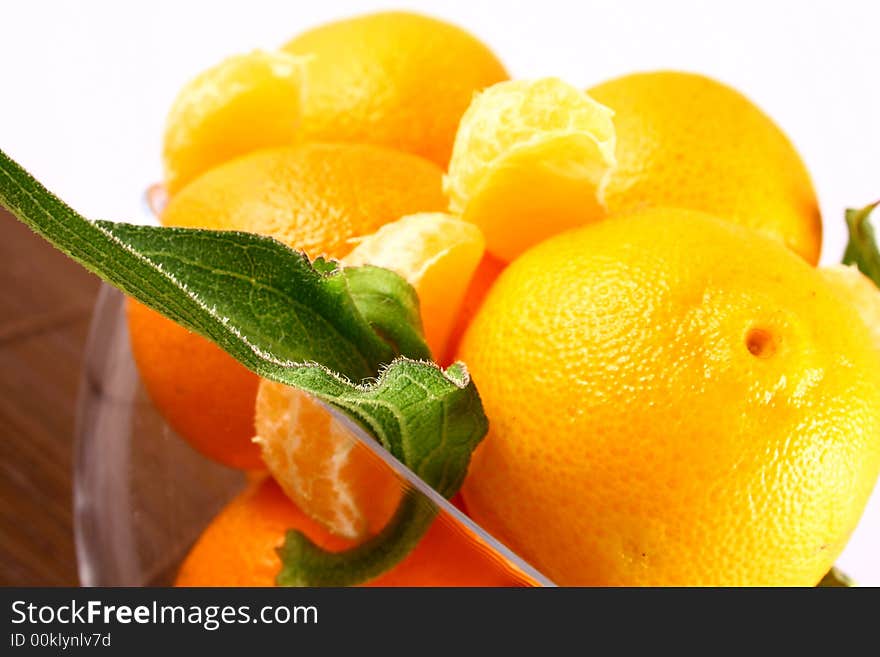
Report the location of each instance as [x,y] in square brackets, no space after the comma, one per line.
[529,161]
[314,458]
[311,454]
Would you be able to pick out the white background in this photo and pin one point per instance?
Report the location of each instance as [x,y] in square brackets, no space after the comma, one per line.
[85,85]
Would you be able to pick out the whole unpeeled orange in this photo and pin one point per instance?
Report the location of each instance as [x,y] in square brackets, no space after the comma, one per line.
[393,78]
[202,392]
[673,400]
[685,140]
[321,198]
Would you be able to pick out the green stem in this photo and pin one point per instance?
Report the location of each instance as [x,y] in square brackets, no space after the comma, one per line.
[836,578]
[306,564]
[862,248]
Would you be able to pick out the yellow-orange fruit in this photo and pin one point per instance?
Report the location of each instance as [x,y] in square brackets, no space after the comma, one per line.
[859,290]
[673,400]
[685,140]
[530,160]
[201,391]
[393,78]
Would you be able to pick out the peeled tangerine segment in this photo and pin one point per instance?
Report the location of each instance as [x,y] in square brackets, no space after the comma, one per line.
[312,455]
[246,102]
[314,458]
[437,254]
[530,159]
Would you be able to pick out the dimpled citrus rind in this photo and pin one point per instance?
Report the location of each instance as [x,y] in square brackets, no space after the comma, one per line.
[673,400]
[860,291]
[320,198]
[686,140]
[393,78]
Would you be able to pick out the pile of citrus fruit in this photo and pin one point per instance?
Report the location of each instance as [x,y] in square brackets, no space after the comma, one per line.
[677,394]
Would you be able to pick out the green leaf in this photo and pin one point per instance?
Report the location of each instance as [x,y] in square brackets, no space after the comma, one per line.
[862,248]
[391,307]
[316,326]
[836,578]
[429,419]
[264,303]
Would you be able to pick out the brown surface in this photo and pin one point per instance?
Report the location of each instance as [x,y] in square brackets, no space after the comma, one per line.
[45,303]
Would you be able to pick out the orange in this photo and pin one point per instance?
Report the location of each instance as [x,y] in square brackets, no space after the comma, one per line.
[393,78]
[203,393]
[685,140]
[314,457]
[238,549]
[530,159]
[859,290]
[673,400]
[320,198]
[244,103]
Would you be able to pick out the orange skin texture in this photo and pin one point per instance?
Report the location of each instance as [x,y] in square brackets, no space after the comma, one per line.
[393,78]
[314,197]
[673,400]
[238,548]
[685,140]
[201,391]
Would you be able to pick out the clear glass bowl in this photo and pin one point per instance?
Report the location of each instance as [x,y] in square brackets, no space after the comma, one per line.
[142,495]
